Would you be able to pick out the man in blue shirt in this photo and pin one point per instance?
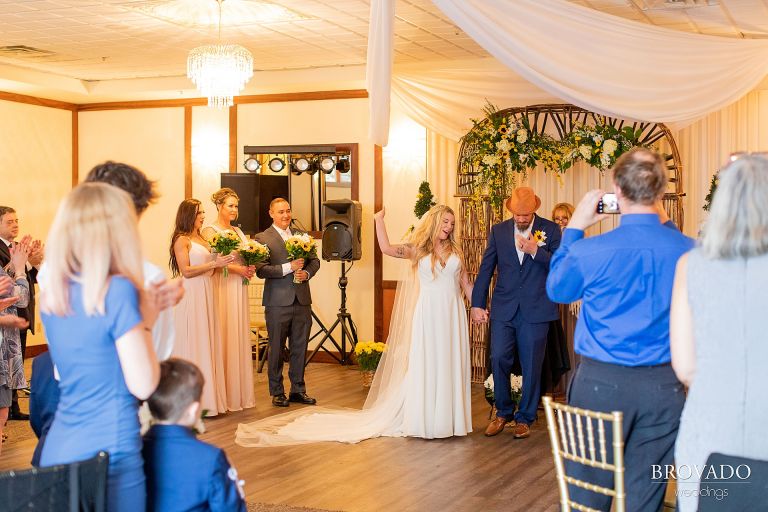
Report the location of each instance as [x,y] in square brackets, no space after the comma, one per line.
[625,280]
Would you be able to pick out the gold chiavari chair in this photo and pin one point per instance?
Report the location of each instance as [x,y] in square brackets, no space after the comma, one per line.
[568,427]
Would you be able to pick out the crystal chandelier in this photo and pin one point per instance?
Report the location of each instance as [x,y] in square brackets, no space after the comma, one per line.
[220,71]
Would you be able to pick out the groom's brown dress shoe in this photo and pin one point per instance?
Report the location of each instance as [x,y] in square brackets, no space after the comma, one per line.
[496,426]
[301,398]
[521,431]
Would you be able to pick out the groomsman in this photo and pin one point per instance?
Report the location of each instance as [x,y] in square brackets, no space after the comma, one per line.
[519,249]
[9,231]
[287,306]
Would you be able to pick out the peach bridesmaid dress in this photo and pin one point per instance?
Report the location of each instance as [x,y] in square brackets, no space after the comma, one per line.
[198,336]
[232,302]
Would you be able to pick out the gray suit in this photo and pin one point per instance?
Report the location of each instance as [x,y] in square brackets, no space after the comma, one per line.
[288,313]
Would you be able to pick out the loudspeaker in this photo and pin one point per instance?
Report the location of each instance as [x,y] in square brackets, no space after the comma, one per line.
[256,191]
[342,219]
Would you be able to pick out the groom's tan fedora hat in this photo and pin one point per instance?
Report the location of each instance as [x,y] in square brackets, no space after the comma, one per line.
[523,201]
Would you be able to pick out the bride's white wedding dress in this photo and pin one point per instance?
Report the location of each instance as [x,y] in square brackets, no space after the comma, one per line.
[422,385]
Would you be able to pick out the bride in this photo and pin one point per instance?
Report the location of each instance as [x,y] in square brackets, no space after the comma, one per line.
[421,387]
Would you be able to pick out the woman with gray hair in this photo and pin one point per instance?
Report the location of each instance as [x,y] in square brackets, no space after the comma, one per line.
[717,337]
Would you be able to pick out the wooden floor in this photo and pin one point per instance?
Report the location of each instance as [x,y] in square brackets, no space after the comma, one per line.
[472,473]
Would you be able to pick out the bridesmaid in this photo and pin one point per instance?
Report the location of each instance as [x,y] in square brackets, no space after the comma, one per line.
[232,301]
[198,333]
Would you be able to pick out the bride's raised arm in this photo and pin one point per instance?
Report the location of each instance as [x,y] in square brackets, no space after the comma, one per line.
[396,251]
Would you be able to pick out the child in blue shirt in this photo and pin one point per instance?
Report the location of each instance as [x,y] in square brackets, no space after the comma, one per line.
[183,473]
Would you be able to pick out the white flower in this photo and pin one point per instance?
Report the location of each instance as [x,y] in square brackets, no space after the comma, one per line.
[516,382]
[523,157]
[610,146]
[540,237]
[585,151]
[491,160]
[503,145]
[522,135]
[489,382]
[605,159]
[598,139]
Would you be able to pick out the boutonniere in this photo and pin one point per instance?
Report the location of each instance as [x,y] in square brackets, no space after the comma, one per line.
[540,237]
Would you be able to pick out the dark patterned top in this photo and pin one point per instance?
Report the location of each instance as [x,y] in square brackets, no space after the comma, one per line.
[11,362]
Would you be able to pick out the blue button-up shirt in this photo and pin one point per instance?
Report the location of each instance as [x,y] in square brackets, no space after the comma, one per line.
[625,280]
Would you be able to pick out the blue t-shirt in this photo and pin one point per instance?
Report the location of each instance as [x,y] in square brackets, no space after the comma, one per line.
[96,411]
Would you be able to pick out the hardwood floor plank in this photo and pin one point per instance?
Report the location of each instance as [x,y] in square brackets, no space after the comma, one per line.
[472,473]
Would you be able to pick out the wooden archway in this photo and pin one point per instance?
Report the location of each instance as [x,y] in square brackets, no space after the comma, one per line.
[557,120]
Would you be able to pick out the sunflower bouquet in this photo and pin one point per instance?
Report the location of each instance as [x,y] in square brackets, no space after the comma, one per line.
[301,247]
[224,243]
[252,253]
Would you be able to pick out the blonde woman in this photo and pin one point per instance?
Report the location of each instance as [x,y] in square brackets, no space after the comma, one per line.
[98,322]
[561,214]
[196,321]
[232,302]
[422,385]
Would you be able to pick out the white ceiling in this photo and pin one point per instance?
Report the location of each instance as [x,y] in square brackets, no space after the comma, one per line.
[89,47]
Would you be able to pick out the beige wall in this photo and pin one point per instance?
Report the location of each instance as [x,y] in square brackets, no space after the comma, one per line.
[324,122]
[35,167]
[153,141]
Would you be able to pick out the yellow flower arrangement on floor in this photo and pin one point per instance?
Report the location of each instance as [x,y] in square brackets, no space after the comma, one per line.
[368,354]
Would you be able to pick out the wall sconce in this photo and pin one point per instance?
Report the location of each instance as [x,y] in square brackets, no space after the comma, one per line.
[251,164]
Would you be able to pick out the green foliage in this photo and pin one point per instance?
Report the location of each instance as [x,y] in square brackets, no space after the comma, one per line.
[424,201]
[711,194]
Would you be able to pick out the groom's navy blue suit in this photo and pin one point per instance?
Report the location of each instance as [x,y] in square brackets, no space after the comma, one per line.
[520,312]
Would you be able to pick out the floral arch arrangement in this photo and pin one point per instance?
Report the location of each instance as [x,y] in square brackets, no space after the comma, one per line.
[502,147]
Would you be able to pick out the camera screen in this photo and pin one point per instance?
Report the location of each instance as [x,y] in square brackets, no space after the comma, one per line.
[608,204]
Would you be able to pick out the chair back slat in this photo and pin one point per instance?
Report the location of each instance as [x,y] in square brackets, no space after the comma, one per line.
[569,444]
[591,437]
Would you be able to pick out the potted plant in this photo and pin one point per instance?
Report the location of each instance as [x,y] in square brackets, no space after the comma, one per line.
[368,355]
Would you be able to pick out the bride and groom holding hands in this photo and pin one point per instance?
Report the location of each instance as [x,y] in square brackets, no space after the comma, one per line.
[422,385]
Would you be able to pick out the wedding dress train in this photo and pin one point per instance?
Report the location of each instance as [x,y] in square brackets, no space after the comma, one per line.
[422,385]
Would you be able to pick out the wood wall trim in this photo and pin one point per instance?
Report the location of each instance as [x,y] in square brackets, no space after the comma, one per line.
[378,203]
[389,285]
[75,149]
[302,96]
[187,152]
[129,105]
[238,100]
[233,139]
[34,100]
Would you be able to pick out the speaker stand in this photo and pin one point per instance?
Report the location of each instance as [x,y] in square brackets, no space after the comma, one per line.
[343,321]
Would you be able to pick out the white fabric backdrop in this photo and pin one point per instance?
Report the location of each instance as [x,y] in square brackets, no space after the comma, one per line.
[381,33]
[582,56]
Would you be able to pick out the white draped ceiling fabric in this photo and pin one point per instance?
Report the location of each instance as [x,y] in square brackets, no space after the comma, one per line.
[565,51]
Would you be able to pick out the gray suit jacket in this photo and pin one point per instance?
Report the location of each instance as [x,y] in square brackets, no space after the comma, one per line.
[279,289]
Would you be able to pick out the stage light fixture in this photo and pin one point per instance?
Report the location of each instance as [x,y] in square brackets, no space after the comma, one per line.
[300,165]
[314,165]
[277,164]
[327,165]
[251,164]
[343,165]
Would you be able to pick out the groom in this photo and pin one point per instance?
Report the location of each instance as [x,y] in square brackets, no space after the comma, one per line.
[520,250]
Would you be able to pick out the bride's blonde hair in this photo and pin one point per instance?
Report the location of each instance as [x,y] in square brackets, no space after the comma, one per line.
[424,238]
[94,236]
